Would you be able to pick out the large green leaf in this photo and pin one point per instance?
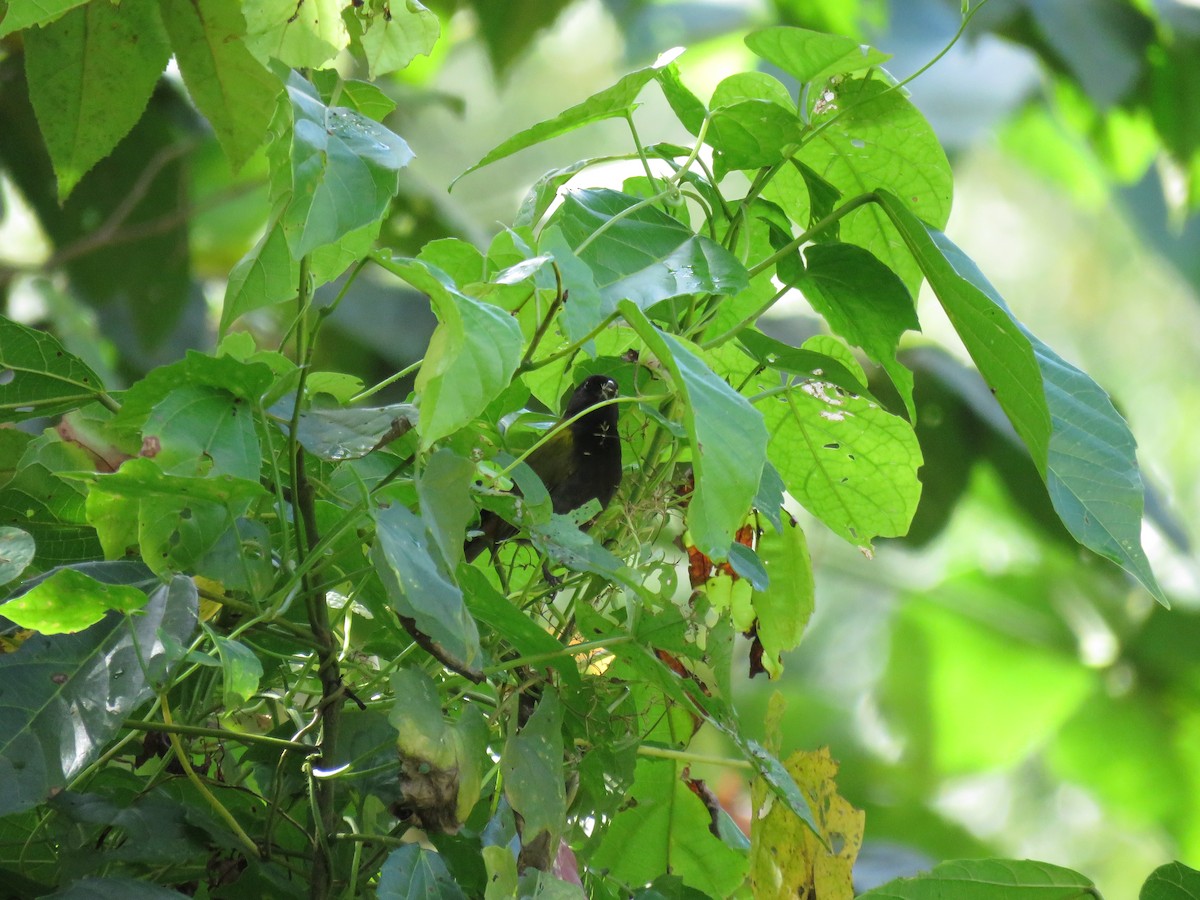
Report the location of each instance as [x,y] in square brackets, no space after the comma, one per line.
[666,829]
[443,487]
[22,15]
[989,879]
[472,355]
[850,462]
[419,589]
[38,377]
[16,553]
[70,601]
[233,90]
[114,888]
[415,873]
[1078,440]
[727,434]
[337,433]
[617,100]
[304,36]
[753,133]
[811,55]
[1174,881]
[173,520]
[871,136]
[532,766]
[90,75]
[863,301]
[345,169]
[63,698]
[397,35]
[642,254]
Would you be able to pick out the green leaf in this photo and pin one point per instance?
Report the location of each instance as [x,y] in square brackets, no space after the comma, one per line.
[727,434]
[864,302]
[48,507]
[174,521]
[666,829]
[812,55]
[532,768]
[361,96]
[90,75]
[198,430]
[493,609]
[688,108]
[266,275]
[304,36]
[416,715]
[418,587]
[229,86]
[870,137]
[337,433]
[643,254]
[753,134]
[1078,441]
[241,672]
[22,15]
[1174,881]
[38,377]
[16,553]
[561,539]
[617,100]
[70,601]
[345,169]
[742,86]
[414,873]
[471,357]
[850,463]
[783,609]
[443,488]
[393,39]
[989,879]
[586,308]
[64,697]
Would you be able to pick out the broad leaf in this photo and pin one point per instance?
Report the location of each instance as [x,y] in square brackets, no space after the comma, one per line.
[443,488]
[90,75]
[753,133]
[666,828]
[414,873]
[241,672]
[304,36]
[22,15]
[114,888]
[989,879]
[1077,439]
[639,253]
[727,434]
[173,520]
[471,357]
[16,553]
[419,589]
[398,34]
[1174,881]
[532,766]
[345,169]
[233,90]
[63,698]
[812,55]
[863,301]
[783,608]
[338,433]
[70,601]
[38,377]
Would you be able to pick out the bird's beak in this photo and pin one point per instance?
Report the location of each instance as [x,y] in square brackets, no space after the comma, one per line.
[609,390]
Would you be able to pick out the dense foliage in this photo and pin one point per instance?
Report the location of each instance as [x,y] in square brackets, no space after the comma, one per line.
[244,653]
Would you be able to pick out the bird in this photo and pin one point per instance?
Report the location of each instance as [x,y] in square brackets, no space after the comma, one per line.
[580,462]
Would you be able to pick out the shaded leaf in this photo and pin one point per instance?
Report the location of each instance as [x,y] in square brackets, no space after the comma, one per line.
[783,608]
[532,767]
[90,75]
[414,873]
[1174,881]
[63,698]
[38,377]
[989,879]
[16,552]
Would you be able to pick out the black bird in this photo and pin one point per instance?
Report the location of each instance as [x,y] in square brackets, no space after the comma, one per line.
[581,462]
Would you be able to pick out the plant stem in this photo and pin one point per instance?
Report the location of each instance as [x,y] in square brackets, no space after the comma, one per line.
[697,758]
[793,245]
[219,734]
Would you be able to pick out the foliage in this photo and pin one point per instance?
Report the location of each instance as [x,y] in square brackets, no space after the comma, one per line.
[262,666]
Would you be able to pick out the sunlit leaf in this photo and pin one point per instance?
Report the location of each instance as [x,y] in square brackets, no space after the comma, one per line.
[303,36]
[16,552]
[784,607]
[70,601]
[812,55]
[989,879]
[397,34]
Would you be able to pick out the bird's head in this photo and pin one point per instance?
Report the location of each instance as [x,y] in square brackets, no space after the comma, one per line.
[592,390]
